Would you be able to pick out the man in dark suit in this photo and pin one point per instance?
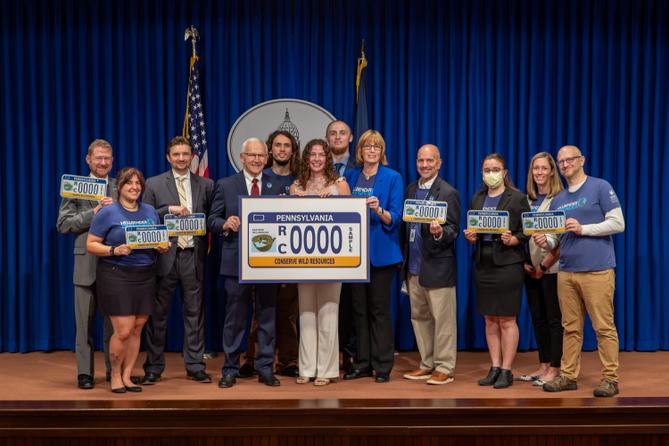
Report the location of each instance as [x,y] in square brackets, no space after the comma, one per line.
[224,220]
[180,193]
[429,268]
[74,217]
[339,137]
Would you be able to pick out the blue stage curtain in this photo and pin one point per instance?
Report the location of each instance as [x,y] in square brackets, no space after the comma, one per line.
[472,76]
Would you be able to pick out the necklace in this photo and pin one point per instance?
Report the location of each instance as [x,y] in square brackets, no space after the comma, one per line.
[369,175]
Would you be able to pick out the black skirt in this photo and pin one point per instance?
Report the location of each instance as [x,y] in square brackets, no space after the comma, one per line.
[499,289]
[124,290]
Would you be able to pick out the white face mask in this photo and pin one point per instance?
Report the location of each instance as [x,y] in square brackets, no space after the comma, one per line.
[493,179]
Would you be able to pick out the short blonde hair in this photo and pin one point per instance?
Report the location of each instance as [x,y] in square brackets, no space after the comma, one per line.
[370,137]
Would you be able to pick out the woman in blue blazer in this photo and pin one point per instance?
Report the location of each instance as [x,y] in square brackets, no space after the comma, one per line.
[383,188]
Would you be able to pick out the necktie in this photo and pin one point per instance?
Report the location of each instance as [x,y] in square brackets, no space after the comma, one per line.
[338,167]
[255,190]
[182,240]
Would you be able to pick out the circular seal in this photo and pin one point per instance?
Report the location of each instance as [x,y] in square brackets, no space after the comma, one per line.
[304,120]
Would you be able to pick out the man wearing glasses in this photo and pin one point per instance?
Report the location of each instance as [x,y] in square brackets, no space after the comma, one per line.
[224,220]
[586,280]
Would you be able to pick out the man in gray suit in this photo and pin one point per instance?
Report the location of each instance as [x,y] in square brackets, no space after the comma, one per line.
[74,217]
[181,193]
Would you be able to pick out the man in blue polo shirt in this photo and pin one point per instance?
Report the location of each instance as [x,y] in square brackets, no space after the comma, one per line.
[586,280]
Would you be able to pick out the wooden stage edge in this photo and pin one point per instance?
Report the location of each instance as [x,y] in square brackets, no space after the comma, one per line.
[398,418]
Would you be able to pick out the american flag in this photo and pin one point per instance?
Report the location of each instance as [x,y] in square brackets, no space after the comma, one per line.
[194,128]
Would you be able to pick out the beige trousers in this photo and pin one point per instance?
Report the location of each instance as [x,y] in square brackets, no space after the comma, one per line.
[434,320]
[591,292]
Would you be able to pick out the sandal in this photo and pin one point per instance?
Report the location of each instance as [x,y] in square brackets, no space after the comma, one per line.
[302,380]
[322,381]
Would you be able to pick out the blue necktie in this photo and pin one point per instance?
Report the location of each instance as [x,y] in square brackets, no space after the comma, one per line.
[338,168]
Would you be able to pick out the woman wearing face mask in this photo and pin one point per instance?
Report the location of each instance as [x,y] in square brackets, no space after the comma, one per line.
[543,184]
[498,269]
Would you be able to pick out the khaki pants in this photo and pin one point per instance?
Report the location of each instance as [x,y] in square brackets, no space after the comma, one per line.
[591,292]
[434,322]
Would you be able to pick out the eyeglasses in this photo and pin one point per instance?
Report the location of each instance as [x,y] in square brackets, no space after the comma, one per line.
[98,159]
[569,160]
[372,147]
[255,155]
[493,170]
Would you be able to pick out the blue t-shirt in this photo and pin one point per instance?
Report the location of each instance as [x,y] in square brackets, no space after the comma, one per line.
[490,204]
[415,251]
[283,181]
[364,187]
[534,206]
[110,223]
[589,205]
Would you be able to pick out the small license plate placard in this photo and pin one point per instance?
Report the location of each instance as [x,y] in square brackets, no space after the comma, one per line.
[424,211]
[146,236]
[553,222]
[192,224]
[84,188]
[488,222]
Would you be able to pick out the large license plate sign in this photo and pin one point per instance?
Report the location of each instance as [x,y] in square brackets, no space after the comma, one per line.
[423,211]
[310,239]
[553,222]
[488,222]
[192,224]
[146,236]
[85,188]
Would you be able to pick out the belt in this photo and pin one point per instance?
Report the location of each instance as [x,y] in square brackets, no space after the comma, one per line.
[184,249]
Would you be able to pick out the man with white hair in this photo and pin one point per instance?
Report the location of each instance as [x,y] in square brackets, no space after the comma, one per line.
[224,220]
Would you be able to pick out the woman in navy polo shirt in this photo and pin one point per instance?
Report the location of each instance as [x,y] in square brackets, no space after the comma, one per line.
[384,190]
[125,278]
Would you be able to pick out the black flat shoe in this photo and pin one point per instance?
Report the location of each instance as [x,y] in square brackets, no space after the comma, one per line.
[382,377]
[491,378]
[227,381]
[504,380]
[134,379]
[200,376]
[149,379]
[269,380]
[85,382]
[358,373]
[133,389]
[118,390]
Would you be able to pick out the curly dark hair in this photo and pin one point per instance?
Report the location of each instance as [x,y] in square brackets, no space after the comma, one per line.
[329,170]
[294,157]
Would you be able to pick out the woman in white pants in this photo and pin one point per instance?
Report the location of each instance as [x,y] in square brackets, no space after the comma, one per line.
[319,302]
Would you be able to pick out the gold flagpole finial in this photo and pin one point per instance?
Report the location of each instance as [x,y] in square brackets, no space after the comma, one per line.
[362,64]
[192,34]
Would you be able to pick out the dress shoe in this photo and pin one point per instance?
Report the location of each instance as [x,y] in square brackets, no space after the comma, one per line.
[382,377]
[292,370]
[136,380]
[118,390]
[438,378]
[418,374]
[246,371]
[149,379]
[358,373]
[200,376]
[133,389]
[491,378]
[504,380]
[227,381]
[85,382]
[269,380]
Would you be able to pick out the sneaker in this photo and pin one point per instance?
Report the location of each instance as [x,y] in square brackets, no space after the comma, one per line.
[419,374]
[606,388]
[440,378]
[490,379]
[559,384]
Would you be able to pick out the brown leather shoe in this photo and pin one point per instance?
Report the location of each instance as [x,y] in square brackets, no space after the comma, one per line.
[418,375]
[440,378]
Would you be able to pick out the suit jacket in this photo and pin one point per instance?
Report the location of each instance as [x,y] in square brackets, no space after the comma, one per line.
[161,193]
[75,217]
[438,256]
[384,243]
[225,204]
[516,203]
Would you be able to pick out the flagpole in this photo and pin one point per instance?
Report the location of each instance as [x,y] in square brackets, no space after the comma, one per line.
[362,64]
[192,34]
